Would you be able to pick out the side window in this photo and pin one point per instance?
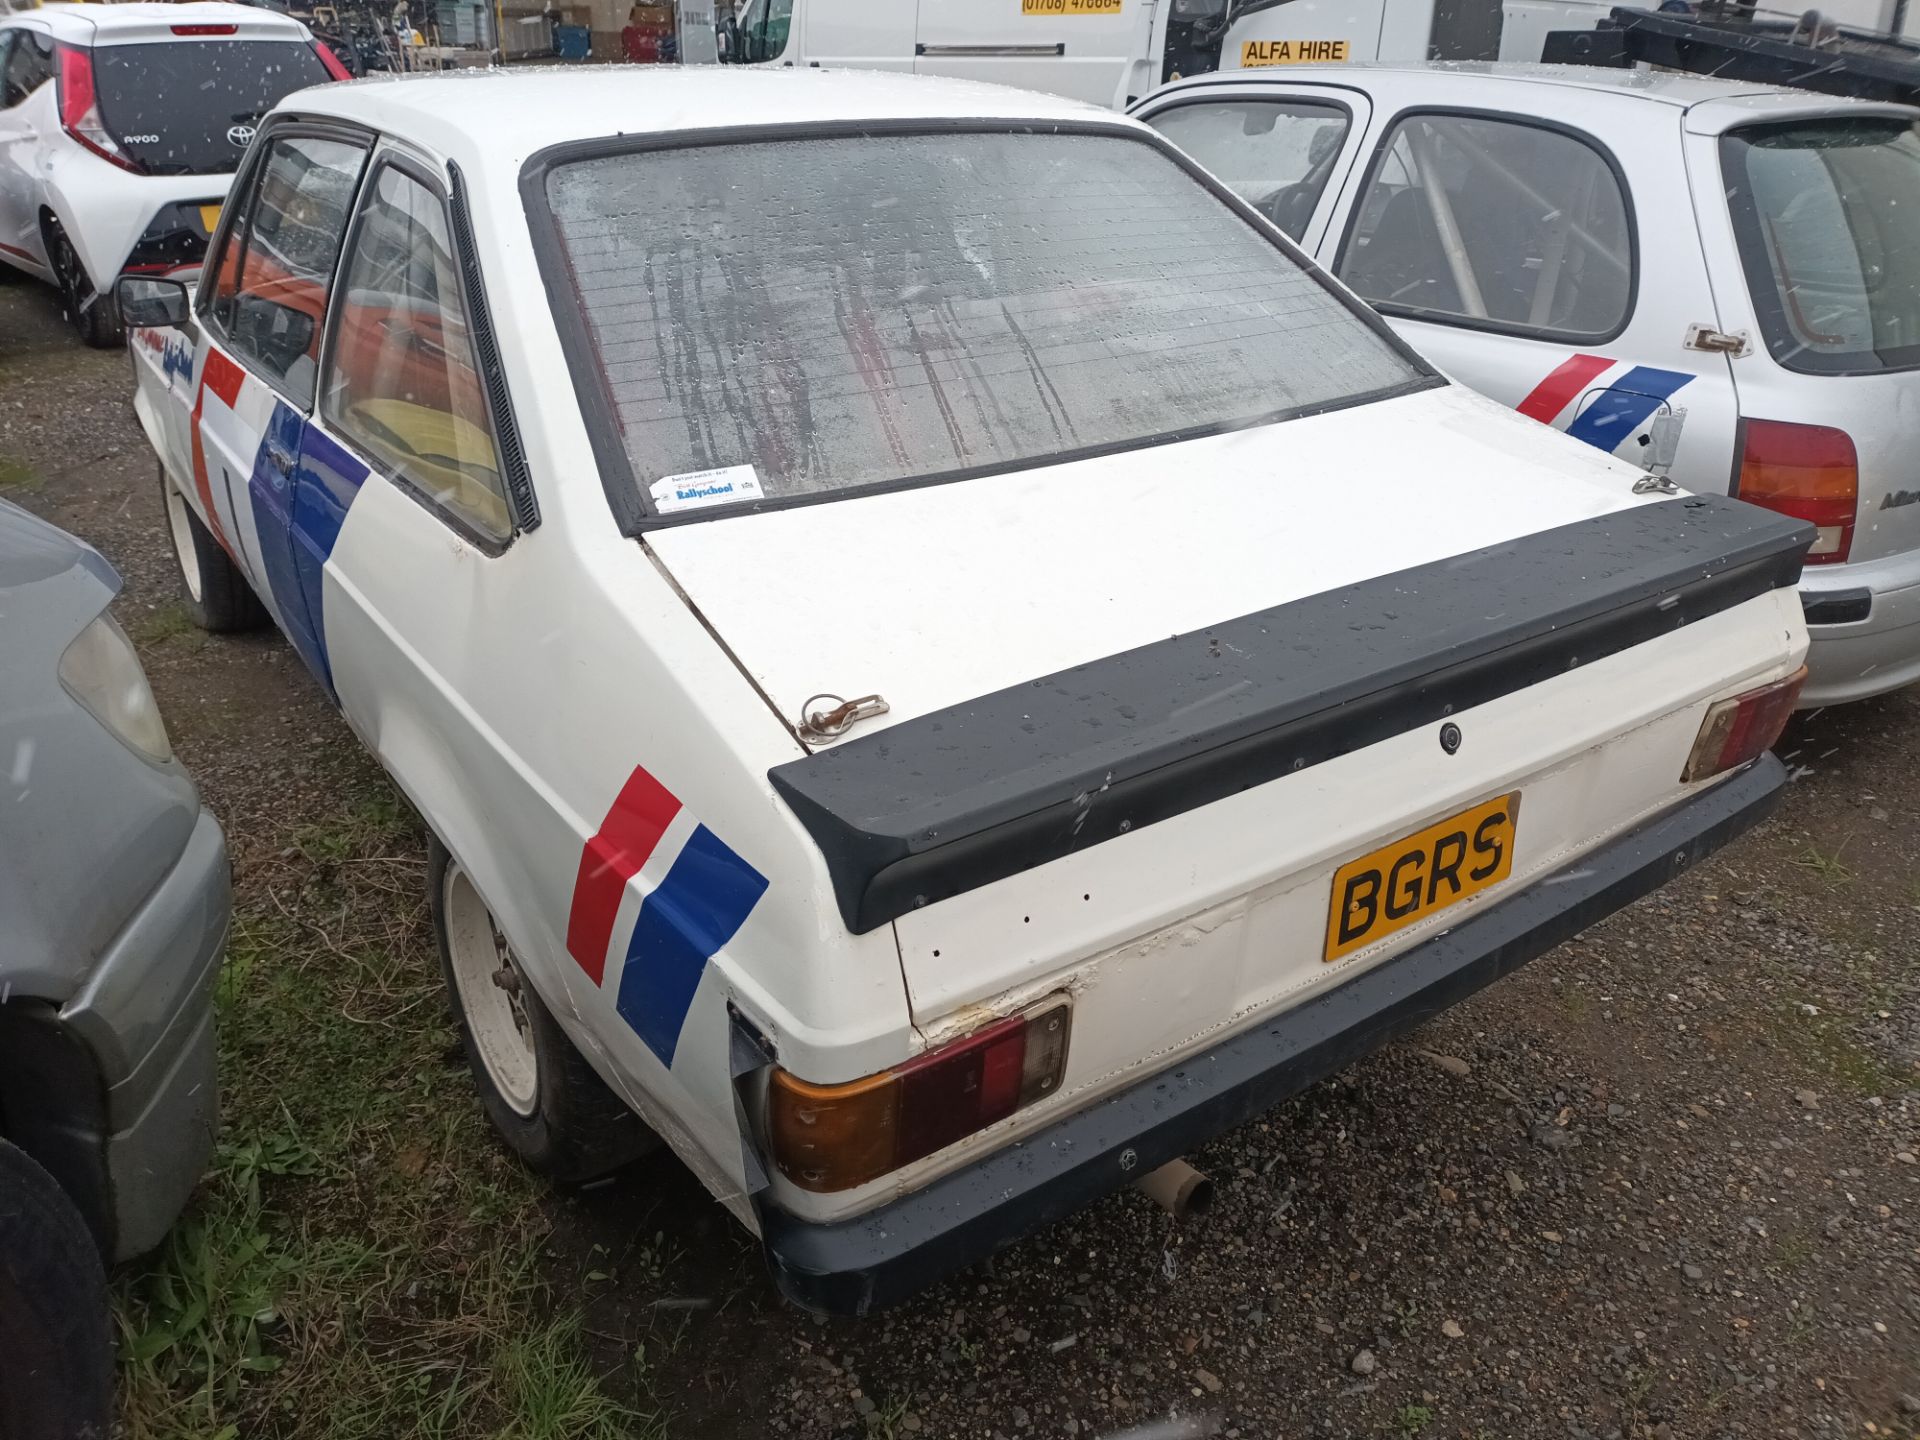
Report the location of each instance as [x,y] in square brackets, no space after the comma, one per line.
[1277,155]
[402,382]
[271,286]
[1496,223]
[25,66]
[764,28]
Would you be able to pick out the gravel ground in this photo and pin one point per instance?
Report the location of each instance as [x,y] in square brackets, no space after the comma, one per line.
[1661,1183]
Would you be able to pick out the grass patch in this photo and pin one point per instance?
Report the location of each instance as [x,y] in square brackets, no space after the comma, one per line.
[1823,1044]
[363,1261]
[17,476]
[166,625]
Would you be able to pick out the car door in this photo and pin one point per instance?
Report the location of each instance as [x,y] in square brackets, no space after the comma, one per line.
[1284,149]
[26,68]
[1512,250]
[262,311]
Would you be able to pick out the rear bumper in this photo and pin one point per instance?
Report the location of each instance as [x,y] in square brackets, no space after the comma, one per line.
[1872,655]
[882,1257]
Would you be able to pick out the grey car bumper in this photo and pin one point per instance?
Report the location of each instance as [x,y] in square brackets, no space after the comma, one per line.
[146,1014]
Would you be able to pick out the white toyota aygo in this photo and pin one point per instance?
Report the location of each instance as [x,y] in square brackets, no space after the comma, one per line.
[929,697]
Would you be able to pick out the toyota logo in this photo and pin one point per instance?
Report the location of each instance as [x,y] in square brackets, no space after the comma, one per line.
[241,135]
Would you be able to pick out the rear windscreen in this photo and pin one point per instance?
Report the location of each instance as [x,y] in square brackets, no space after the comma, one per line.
[189,107]
[1828,218]
[809,316]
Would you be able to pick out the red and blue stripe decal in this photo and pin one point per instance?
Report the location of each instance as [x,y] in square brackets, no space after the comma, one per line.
[1616,413]
[684,921]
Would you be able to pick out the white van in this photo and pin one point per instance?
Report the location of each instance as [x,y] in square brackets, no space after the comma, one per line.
[1110,52]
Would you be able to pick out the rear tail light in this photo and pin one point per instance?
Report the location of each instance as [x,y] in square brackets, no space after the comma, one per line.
[1808,471]
[204,29]
[80,109]
[335,69]
[834,1137]
[1743,728]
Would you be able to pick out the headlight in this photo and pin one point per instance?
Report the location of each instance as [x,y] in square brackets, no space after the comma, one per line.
[102,672]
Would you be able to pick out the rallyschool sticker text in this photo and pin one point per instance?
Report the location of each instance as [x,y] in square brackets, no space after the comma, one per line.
[1070,7]
[726,486]
[1290,52]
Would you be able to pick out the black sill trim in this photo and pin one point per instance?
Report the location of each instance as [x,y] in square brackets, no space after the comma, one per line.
[959,798]
[1836,607]
[625,494]
[853,1267]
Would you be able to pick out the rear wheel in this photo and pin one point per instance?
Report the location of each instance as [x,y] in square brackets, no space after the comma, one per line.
[216,594]
[544,1099]
[95,317]
[54,1327]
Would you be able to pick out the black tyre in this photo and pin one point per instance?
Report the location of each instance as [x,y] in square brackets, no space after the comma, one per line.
[55,1331]
[544,1099]
[95,317]
[216,594]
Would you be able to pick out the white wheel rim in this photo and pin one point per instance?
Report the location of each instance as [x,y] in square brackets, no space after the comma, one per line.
[180,527]
[490,988]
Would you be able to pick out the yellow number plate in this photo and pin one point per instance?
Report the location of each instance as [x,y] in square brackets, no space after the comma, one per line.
[1070,7]
[1423,873]
[1255,53]
[209,217]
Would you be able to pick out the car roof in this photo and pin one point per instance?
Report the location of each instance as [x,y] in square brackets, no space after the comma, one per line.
[85,24]
[502,116]
[1657,87]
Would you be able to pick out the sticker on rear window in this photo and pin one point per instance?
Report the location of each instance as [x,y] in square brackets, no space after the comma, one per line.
[725,486]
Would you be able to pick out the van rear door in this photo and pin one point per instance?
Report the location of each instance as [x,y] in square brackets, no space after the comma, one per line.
[1076,48]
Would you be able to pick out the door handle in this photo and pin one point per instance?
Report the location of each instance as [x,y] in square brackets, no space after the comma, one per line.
[280,460]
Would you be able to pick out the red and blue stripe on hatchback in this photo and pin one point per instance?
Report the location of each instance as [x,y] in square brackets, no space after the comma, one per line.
[1614,414]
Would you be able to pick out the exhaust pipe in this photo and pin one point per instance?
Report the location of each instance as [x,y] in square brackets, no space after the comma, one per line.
[1177,1188]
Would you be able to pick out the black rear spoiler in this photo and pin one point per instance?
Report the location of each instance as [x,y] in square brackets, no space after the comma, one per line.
[958,798]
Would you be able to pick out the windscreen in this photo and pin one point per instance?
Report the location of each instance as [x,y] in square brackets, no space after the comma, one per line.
[189,107]
[1828,218]
[803,317]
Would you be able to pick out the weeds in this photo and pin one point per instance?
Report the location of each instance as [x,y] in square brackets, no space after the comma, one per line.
[1410,1420]
[362,1261]
[1828,868]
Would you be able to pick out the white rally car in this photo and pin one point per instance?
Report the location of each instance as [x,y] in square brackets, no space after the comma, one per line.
[1716,280]
[929,697]
[120,129]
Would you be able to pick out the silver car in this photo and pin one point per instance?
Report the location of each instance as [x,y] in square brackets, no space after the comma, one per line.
[114,898]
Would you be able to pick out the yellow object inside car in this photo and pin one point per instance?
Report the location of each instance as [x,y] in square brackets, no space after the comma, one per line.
[444,455]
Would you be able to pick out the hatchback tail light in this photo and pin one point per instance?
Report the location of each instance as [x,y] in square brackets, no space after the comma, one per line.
[1743,728]
[1808,471]
[204,29]
[80,109]
[335,70]
[835,1137]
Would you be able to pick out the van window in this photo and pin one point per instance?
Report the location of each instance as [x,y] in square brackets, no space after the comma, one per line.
[272,280]
[1497,224]
[25,67]
[1827,218]
[813,316]
[402,384]
[1277,155]
[764,27]
[189,107]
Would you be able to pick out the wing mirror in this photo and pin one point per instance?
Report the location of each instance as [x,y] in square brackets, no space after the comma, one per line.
[149,302]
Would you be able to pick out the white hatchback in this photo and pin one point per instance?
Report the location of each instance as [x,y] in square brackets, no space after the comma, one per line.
[1716,281]
[120,129]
